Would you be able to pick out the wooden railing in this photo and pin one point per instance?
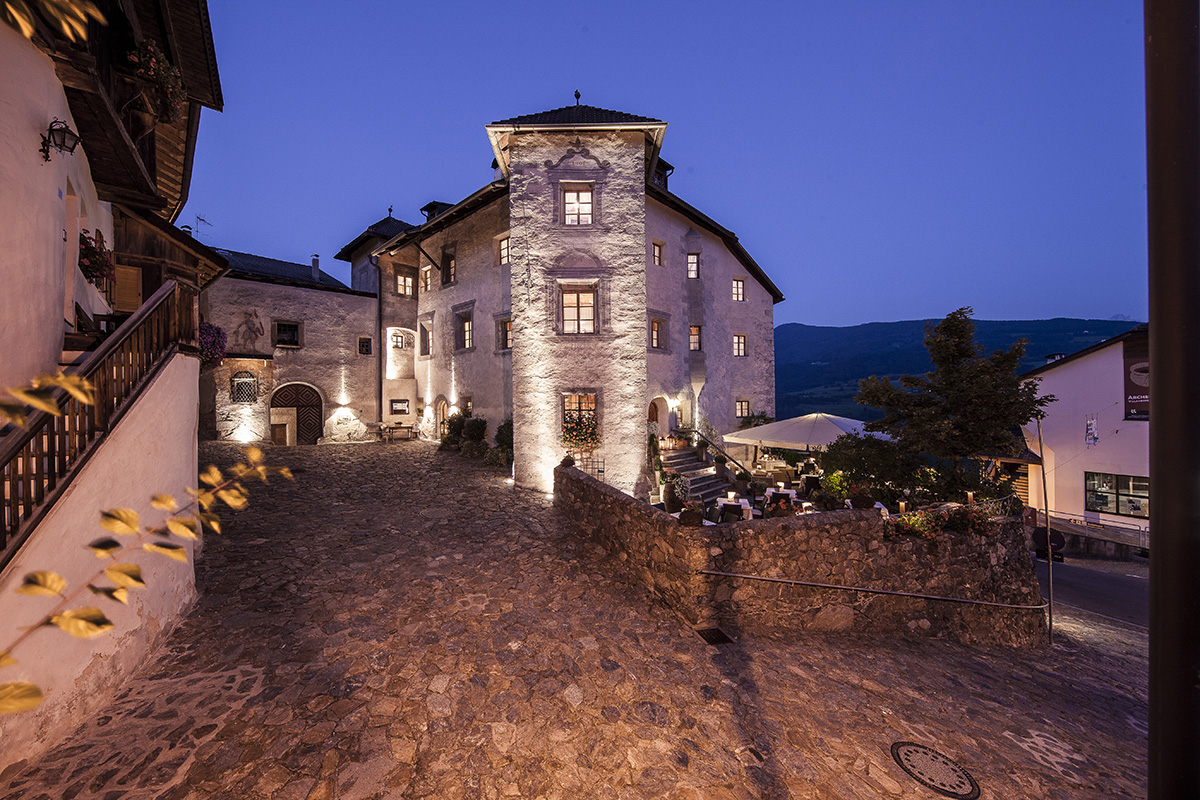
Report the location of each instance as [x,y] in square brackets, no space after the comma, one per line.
[39,461]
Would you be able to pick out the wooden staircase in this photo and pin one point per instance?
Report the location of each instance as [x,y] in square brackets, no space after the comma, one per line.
[703,482]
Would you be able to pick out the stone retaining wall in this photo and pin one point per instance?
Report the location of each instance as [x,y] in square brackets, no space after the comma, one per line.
[843,548]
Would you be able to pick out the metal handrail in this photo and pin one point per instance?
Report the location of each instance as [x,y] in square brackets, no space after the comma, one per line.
[693,432]
[38,461]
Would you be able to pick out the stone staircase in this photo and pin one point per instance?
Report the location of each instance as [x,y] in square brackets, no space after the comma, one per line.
[705,485]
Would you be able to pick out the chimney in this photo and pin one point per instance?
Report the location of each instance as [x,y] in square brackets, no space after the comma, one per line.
[1052,357]
[316,267]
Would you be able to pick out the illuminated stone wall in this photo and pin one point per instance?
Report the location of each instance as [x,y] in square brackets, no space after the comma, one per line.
[610,254]
[706,383]
[480,288]
[328,359]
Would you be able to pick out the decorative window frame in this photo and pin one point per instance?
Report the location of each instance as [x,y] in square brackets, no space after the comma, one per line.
[693,265]
[573,186]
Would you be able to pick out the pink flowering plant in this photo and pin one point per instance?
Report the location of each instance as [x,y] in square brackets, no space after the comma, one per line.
[581,430]
[95,260]
[150,63]
[211,340]
[931,523]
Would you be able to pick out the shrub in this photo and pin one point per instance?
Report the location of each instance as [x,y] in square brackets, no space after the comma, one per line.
[720,459]
[475,429]
[455,424]
[448,443]
[211,341]
[472,448]
[742,476]
[504,435]
[494,457]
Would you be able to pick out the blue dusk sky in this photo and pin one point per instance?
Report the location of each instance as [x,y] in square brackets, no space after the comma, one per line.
[880,160]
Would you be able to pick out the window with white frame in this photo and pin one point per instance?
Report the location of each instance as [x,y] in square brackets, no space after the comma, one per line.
[741,409]
[577,205]
[426,277]
[656,253]
[502,250]
[739,344]
[656,333]
[694,342]
[739,289]
[405,285]
[693,265]
[579,309]
[464,338]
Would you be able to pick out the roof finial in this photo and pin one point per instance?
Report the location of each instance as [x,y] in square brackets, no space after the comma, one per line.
[389,211]
[576,97]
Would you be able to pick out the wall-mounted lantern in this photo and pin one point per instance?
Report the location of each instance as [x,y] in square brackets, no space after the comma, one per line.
[60,137]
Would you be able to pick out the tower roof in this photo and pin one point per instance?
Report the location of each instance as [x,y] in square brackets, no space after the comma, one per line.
[577,115]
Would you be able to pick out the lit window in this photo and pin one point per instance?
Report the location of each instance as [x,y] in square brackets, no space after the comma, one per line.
[467,405]
[693,265]
[656,254]
[739,344]
[694,337]
[243,387]
[1125,495]
[504,334]
[655,333]
[743,409]
[287,334]
[577,207]
[364,345]
[739,289]
[404,285]
[579,310]
[448,268]
[504,250]
[424,341]
[579,402]
[426,278]
[465,338]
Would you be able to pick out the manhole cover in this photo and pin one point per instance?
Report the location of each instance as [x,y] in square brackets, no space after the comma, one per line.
[938,772]
[713,635]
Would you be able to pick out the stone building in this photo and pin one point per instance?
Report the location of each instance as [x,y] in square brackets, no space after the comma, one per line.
[301,356]
[574,287]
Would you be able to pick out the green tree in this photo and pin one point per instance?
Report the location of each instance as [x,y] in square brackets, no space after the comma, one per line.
[965,412]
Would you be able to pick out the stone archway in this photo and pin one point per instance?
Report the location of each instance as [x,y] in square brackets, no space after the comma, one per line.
[308,424]
[441,411]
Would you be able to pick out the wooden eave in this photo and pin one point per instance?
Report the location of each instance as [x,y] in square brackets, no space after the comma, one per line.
[177,252]
[116,167]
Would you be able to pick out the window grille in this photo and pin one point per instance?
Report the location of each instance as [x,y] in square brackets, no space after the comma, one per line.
[243,387]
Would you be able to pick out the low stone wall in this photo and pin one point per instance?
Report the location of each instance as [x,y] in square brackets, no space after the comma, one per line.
[841,548]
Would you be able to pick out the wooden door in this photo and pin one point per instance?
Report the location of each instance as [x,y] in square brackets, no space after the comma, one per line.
[310,421]
[128,295]
[279,433]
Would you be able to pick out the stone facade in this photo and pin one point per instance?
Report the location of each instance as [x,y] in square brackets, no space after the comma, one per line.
[632,360]
[841,548]
[328,360]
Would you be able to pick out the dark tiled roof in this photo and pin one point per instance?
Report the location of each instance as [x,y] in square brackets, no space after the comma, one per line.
[576,115]
[1140,330]
[385,229]
[263,267]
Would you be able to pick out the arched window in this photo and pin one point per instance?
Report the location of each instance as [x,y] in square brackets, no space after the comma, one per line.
[243,387]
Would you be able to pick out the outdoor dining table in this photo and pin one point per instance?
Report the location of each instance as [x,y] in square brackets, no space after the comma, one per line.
[789,492]
[747,509]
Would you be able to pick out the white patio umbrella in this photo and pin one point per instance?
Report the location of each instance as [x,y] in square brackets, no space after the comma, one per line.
[798,433]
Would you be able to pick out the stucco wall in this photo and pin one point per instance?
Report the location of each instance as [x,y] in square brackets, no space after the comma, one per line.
[611,253]
[1090,386]
[152,450]
[841,548]
[707,382]
[481,287]
[34,198]
[327,360]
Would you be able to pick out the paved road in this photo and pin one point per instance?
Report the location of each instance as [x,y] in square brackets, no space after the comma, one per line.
[1108,591]
[402,624]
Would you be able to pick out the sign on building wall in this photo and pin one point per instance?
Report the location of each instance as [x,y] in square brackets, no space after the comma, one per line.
[1137,377]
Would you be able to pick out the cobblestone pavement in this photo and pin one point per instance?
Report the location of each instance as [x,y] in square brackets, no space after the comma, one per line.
[400,623]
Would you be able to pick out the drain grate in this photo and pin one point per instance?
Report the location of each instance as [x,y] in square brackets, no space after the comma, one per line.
[936,771]
[714,636]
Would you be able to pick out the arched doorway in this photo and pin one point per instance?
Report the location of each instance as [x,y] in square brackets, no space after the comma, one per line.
[653,415]
[300,418]
[441,411]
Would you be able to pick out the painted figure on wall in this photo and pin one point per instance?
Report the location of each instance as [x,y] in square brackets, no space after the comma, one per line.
[248,331]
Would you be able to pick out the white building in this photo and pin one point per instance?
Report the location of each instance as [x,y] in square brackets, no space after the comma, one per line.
[1097,433]
[301,361]
[127,180]
[575,285]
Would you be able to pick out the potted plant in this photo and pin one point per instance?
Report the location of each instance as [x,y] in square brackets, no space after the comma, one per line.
[211,341]
[742,479]
[719,462]
[692,515]
[671,496]
[95,260]
[150,64]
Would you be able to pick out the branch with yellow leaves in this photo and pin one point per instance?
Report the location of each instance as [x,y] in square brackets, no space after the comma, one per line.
[186,523]
[39,395]
[70,17]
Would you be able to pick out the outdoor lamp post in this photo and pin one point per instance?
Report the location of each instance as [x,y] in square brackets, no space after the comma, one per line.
[60,137]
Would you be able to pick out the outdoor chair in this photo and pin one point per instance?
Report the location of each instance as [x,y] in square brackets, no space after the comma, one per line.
[731,513]
[713,513]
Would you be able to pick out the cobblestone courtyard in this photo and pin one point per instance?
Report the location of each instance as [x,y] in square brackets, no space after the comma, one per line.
[400,623]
